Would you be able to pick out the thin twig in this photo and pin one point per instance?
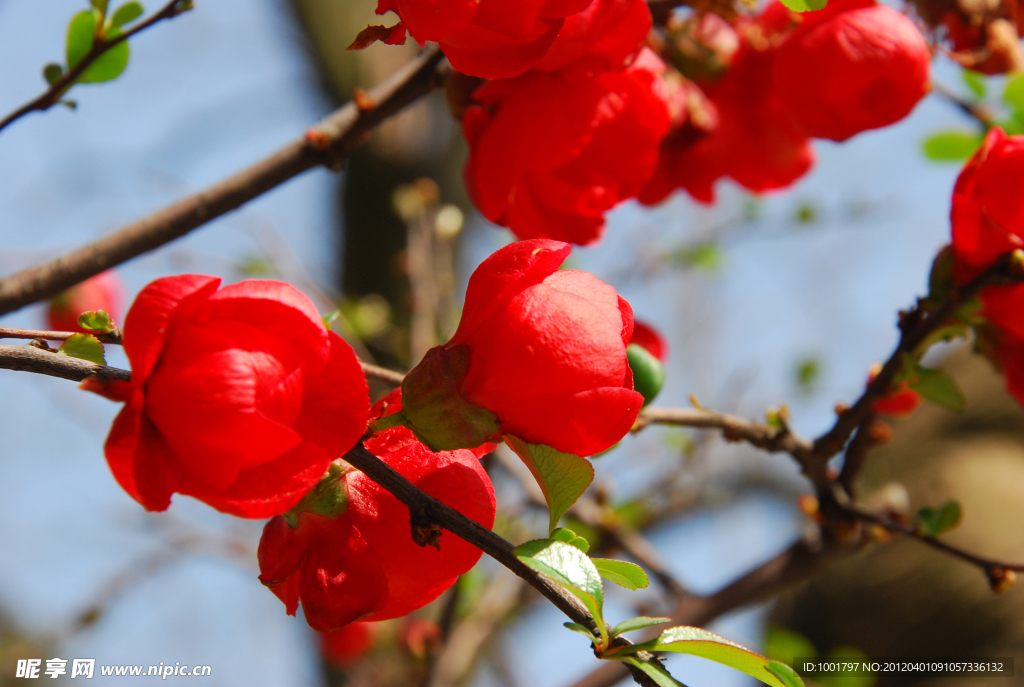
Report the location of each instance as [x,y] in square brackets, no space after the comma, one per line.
[52,95]
[47,335]
[32,359]
[971,109]
[326,144]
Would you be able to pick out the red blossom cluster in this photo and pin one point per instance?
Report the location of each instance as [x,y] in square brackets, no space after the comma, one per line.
[240,397]
[988,222]
[580,115]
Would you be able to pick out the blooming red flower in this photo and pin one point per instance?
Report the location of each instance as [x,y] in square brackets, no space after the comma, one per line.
[552,152]
[601,37]
[102,292]
[899,401]
[540,353]
[492,39]
[346,645]
[748,137]
[853,66]
[363,564]
[239,397]
[650,339]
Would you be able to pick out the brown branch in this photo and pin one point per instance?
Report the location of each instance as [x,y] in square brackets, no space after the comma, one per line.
[47,335]
[971,109]
[32,359]
[52,95]
[382,373]
[991,567]
[327,144]
[426,511]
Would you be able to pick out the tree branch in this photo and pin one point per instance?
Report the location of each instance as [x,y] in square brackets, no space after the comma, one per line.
[327,144]
[52,96]
[47,335]
[426,510]
[32,359]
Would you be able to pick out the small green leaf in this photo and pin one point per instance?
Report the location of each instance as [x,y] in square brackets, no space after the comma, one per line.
[951,146]
[97,321]
[84,346]
[126,13]
[648,372]
[805,5]
[81,34]
[933,385]
[975,81]
[698,642]
[52,73]
[100,5]
[1013,94]
[935,521]
[638,623]
[703,256]
[563,477]
[808,371]
[110,64]
[70,104]
[625,574]
[782,644]
[785,674]
[569,537]
[653,670]
[576,627]
[571,568]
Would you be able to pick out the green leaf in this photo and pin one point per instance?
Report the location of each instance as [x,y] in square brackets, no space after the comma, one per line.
[846,654]
[563,477]
[698,642]
[100,5]
[81,34]
[84,346]
[569,537]
[70,104]
[808,371]
[1013,94]
[572,569]
[648,372]
[653,670]
[52,73]
[638,623]
[785,674]
[110,64]
[97,321]
[126,13]
[805,5]
[576,627]
[951,146]
[703,256]
[935,521]
[625,574]
[975,81]
[933,385]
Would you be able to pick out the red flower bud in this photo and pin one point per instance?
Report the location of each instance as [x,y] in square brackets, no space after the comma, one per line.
[363,564]
[346,645]
[853,66]
[540,353]
[552,152]
[102,292]
[239,397]
[492,39]
[650,339]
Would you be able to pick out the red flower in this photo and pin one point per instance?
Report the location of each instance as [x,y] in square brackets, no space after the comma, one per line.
[853,66]
[650,339]
[540,353]
[492,39]
[102,292]
[601,37]
[363,563]
[748,135]
[346,645]
[239,397]
[552,152]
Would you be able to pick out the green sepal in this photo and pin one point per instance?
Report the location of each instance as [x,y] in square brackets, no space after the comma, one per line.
[328,498]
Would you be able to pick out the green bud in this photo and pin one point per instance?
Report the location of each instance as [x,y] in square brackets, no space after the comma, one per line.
[648,373]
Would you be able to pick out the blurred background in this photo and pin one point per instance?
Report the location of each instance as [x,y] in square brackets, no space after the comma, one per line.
[784,299]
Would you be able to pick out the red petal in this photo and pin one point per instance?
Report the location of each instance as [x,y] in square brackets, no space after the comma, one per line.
[490,55]
[137,457]
[154,314]
[336,403]
[281,551]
